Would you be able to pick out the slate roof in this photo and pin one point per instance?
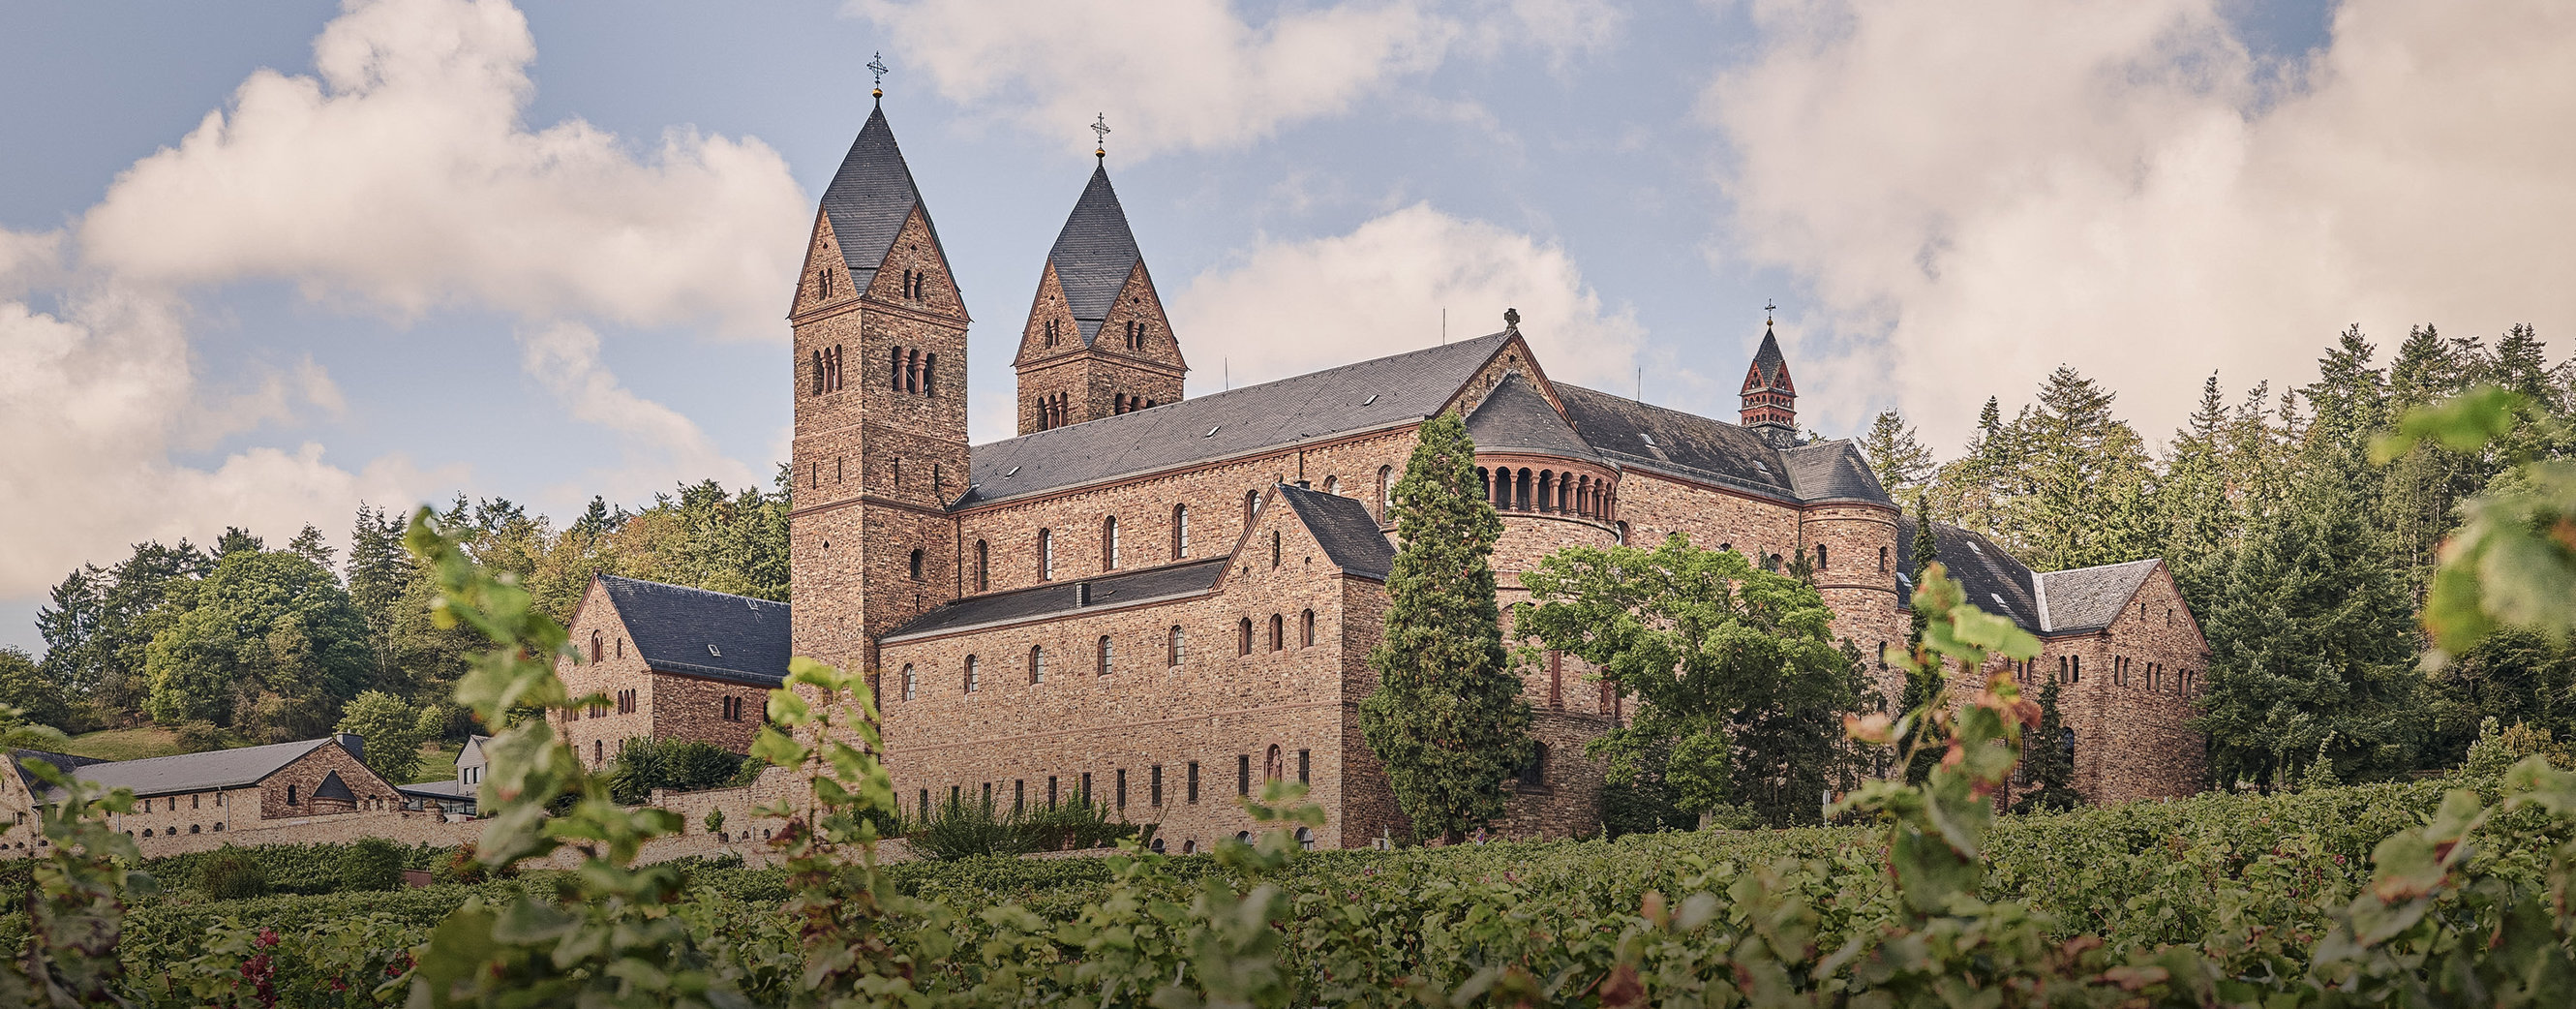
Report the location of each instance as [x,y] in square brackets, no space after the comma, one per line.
[2085,599]
[2074,601]
[61,761]
[1060,597]
[1094,254]
[199,772]
[1995,581]
[1515,417]
[869,199]
[683,630]
[1353,397]
[1349,534]
[1832,471]
[1637,434]
[1768,362]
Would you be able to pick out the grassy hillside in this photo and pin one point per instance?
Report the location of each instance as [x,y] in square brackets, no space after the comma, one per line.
[125,744]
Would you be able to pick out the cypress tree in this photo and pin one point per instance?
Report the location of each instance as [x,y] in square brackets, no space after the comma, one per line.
[1447,719]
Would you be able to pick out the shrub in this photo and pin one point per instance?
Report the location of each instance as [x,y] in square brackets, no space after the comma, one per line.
[964,830]
[372,863]
[675,764]
[199,737]
[231,874]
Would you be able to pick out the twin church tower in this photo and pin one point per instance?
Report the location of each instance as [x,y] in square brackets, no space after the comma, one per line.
[880,452]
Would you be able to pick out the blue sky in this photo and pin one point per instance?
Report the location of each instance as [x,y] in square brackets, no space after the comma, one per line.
[429,245]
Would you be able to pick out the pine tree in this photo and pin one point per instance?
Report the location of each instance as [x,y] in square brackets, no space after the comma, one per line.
[1922,688]
[308,543]
[2048,761]
[1927,549]
[1902,463]
[1447,719]
[2198,512]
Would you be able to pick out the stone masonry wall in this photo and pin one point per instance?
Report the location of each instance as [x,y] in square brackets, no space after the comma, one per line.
[2132,707]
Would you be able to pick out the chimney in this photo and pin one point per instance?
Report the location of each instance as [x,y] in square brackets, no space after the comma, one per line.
[351,742]
[1303,485]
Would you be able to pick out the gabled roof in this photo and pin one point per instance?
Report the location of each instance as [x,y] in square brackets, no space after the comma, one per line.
[1769,365]
[1343,526]
[1354,397]
[472,753]
[693,631]
[869,199]
[1094,255]
[61,761]
[1995,581]
[1832,471]
[1055,598]
[2087,599]
[1637,434]
[1515,417]
[199,772]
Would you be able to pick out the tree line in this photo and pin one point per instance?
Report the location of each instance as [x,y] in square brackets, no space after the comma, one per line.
[241,643]
[2306,558]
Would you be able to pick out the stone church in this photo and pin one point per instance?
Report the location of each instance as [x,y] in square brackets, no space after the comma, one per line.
[1158,601]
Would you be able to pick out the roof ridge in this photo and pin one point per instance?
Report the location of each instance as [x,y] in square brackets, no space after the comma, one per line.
[604,576]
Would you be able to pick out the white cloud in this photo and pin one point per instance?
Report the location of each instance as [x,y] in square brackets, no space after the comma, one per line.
[1980,193]
[404,177]
[1289,307]
[1195,74]
[662,446]
[97,398]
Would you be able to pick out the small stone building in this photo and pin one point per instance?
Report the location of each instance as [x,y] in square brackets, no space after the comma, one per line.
[667,662]
[195,796]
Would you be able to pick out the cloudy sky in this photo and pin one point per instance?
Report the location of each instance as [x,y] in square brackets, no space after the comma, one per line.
[260,262]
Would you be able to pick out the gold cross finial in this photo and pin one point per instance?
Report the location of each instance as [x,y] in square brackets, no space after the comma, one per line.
[1767,309]
[876,65]
[1100,128]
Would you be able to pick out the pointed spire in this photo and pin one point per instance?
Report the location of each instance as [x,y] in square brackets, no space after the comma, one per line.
[1094,254]
[1770,405]
[870,198]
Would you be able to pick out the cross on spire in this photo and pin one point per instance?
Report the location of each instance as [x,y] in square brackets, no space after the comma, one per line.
[876,66]
[1100,128]
[1767,309]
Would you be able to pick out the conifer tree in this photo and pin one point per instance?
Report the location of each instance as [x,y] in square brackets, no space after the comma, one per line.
[1922,688]
[1447,718]
[2047,764]
[1902,463]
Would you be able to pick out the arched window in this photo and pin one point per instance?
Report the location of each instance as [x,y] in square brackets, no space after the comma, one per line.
[894,371]
[1037,663]
[916,565]
[1180,531]
[1771,563]
[1251,507]
[1109,543]
[897,471]
[1546,490]
[983,566]
[1278,634]
[1274,548]
[1306,638]
[818,373]
[1332,485]
[594,646]
[1882,560]
[912,371]
[1820,557]
[1620,534]
[1108,654]
[1177,647]
[1243,636]
[911,683]
[1385,494]
[1882,655]
[929,374]
[1046,555]
[1270,767]
[974,675]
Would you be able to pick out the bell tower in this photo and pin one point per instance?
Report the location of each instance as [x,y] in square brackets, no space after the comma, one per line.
[1097,342]
[880,385]
[1770,405]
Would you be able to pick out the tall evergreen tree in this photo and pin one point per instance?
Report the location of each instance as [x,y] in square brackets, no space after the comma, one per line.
[2199,511]
[2088,479]
[1902,463]
[2047,761]
[309,544]
[1447,719]
[1923,687]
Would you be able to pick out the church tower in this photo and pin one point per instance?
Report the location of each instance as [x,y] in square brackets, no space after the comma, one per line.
[1097,342]
[1770,406]
[880,385]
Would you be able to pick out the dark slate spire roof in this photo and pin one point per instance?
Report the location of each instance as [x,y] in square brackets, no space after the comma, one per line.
[1349,534]
[1768,361]
[869,199]
[1515,417]
[1094,254]
[694,631]
[1353,397]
